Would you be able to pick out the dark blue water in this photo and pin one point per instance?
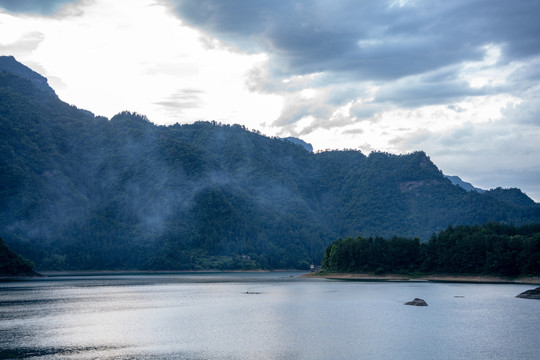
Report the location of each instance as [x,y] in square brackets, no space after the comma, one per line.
[262,316]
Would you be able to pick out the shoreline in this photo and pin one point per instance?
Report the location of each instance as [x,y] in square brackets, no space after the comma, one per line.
[477,279]
[153,272]
[44,275]
[365,277]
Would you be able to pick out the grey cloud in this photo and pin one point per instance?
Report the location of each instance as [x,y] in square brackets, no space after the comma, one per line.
[456,108]
[225,17]
[181,100]
[527,112]
[370,40]
[321,107]
[41,7]
[353,131]
[341,94]
[296,108]
[259,79]
[414,91]
[525,76]
[25,44]
[337,121]
[414,53]
[364,111]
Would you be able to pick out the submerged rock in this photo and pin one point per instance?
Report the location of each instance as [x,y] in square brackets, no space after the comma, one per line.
[417,302]
[530,294]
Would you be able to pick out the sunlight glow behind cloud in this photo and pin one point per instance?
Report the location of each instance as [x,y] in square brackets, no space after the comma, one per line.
[108,60]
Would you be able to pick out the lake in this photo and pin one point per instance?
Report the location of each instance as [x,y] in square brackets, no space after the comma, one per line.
[274,315]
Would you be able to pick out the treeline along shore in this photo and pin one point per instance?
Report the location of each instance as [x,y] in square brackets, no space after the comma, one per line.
[471,253]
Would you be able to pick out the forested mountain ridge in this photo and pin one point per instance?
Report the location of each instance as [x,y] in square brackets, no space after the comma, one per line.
[84,192]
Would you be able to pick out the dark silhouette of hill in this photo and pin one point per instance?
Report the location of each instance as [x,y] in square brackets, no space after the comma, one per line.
[79,191]
[12,264]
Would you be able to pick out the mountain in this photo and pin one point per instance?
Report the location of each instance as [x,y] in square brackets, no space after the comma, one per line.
[10,65]
[300,142]
[456,180]
[514,197]
[84,192]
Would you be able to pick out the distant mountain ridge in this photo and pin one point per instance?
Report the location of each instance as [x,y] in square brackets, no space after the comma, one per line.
[300,142]
[456,180]
[84,192]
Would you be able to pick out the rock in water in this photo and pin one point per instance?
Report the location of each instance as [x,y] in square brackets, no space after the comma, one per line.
[530,294]
[417,302]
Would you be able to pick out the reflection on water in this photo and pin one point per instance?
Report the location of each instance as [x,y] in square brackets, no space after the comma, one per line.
[262,316]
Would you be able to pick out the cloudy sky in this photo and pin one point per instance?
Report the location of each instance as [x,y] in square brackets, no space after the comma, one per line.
[458,79]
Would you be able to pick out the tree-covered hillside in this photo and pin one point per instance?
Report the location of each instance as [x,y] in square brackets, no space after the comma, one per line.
[84,192]
[490,249]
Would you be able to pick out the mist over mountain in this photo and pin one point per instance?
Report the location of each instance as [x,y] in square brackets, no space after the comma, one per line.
[79,191]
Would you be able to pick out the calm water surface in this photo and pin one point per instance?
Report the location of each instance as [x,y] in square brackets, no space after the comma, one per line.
[262,316]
